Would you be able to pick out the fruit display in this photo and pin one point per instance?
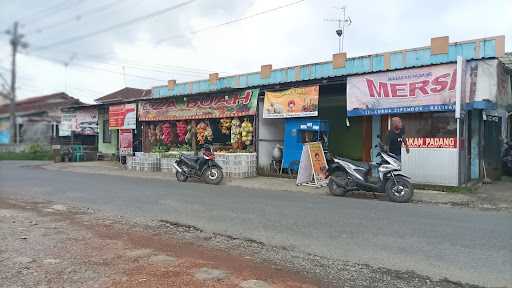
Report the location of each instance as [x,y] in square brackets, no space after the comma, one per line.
[158,131]
[225,126]
[247,132]
[152,134]
[236,131]
[188,138]
[181,130]
[203,132]
[167,133]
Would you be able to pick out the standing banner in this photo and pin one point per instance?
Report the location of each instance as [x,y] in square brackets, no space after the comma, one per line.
[294,102]
[125,142]
[5,132]
[122,116]
[200,107]
[313,166]
[422,89]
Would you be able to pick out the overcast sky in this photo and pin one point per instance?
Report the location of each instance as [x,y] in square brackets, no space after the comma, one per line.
[135,55]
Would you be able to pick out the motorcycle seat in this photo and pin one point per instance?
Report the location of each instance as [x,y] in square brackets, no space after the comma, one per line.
[362,165]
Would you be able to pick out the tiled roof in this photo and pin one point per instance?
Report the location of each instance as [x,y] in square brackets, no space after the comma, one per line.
[42,103]
[124,94]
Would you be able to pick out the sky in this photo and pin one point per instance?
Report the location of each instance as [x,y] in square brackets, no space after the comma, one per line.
[184,40]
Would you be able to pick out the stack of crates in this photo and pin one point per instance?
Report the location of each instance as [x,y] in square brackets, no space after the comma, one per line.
[150,163]
[238,165]
[166,165]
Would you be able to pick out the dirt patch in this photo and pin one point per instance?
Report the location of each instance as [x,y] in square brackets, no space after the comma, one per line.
[68,247]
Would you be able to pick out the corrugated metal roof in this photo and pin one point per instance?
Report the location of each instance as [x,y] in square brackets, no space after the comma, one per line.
[474,49]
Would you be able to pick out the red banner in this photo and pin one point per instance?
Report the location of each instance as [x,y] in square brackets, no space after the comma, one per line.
[434,142]
[125,141]
[200,107]
[122,116]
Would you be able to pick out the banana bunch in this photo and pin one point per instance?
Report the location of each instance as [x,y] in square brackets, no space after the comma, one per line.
[247,132]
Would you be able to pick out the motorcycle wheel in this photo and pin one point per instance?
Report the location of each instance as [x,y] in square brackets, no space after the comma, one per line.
[213,175]
[399,190]
[334,188]
[181,177]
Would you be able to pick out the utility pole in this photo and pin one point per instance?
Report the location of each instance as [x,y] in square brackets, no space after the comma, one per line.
[16,42]
[342,21]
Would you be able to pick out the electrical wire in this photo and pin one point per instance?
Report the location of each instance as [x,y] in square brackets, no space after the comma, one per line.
[181,35]
[116,26]
[52,10]
[75,18]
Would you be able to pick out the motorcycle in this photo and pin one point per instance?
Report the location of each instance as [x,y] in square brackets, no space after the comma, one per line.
[506,161]
[202,167]
[347,176]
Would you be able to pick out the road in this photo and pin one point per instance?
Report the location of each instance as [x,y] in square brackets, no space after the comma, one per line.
[460,244]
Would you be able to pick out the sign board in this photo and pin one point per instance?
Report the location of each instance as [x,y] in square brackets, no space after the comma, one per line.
[313,166]
[200,107]
[422,89]
[83,122]
[86,122]
[295,102]
[125,142]
[432,142]
[67,123]
[5,132]
[122,116]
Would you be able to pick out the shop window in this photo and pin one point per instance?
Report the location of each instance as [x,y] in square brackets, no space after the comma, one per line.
[107,133]
[430,125]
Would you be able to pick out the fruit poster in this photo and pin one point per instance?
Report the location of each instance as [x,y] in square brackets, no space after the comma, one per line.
[294,102]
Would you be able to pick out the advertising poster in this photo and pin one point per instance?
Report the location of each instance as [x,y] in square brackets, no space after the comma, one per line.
[5,132]
[125,142]
[200,107]
[313,166]
[316,153]
[404,91]
[122,116]
[295,102]
[67,123]
[86,122]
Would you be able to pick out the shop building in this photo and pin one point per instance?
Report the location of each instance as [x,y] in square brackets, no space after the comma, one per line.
[353,132]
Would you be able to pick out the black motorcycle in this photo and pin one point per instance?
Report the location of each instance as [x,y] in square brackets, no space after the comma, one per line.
[506,161]
[202,167]
[347,175]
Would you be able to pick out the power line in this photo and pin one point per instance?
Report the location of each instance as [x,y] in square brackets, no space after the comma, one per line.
[76,17]
[228,22]
[116,26]
[52,10]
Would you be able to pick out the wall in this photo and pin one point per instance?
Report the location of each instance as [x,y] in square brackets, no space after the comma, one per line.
[106,148]
[270,133]
[443,170]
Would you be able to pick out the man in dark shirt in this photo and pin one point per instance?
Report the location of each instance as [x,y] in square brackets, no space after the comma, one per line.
[396,138]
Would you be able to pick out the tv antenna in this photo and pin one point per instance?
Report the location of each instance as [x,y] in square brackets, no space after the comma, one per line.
[343,20]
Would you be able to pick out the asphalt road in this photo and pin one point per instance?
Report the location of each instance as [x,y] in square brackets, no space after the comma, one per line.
[461,244]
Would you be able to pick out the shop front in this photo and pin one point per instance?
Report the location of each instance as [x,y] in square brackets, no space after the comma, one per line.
[78,133]
[445,144]
[122,118]
[225,121]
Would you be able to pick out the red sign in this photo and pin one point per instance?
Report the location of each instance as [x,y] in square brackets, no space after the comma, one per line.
[122,116]
[200,107]
[434,142]
[125,141]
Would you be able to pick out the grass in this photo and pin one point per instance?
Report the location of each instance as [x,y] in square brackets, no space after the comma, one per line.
[448,189]
[41,155]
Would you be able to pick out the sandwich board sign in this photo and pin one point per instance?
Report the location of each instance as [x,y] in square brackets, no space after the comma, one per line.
[313,166]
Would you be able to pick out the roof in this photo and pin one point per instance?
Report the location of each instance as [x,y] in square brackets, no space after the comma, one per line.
[507,60]
[124,94]
[385,61]
[42,103]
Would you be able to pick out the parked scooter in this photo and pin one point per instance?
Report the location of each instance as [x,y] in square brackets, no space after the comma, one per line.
[202,167]
[347,175]
[506,161]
